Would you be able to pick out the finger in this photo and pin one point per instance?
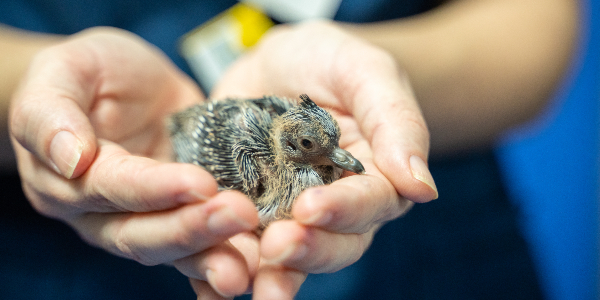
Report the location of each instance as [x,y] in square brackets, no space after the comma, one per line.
[249,245]
[311,249]
[45,117]
[204,291]
[158,237]
[132,183]
[350,205]
[277,282]
[232,264]
[222,266]
[383,103]
[115,182]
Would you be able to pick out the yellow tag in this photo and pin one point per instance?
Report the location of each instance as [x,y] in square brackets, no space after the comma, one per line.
[212,47]
[252,23]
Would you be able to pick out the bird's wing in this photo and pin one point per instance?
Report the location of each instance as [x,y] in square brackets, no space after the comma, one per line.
[255,146]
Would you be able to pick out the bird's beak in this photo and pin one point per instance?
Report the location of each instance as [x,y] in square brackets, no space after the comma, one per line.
[346,161]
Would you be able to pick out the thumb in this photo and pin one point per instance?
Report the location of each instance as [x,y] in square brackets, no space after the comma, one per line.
[46,115]
[391,120]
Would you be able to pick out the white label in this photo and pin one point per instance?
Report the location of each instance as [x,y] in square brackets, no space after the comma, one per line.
[297,10]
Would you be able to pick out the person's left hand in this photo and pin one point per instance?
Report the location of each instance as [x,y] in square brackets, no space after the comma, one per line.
[381,125]
[88,129]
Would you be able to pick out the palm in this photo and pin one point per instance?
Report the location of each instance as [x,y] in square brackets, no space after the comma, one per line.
[138,88]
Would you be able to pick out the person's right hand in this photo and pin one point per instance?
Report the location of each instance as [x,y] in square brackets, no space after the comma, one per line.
[381,125]
[87,126]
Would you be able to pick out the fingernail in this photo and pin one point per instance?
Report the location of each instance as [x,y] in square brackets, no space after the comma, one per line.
[210,277]
[293,252]
[65,152]
[421,173]
[225,221]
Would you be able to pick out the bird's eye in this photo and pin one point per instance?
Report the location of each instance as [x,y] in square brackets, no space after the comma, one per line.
[306,143]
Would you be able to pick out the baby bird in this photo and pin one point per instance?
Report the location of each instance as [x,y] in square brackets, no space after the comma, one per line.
[270,148]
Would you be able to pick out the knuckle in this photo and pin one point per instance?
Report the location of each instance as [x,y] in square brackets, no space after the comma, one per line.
[37,201]
[395,208]
[190,235]
[126,247]
[357,250]
[333,260]
[48,201]
[415,121]
[182,241]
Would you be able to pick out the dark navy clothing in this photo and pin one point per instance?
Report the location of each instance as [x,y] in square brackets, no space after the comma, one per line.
[465,245]
[159,22]
[164,22]
[42,258]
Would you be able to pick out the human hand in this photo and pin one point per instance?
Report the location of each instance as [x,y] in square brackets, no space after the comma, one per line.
[381,125]
[87,125]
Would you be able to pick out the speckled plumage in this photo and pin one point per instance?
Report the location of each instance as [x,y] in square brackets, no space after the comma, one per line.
[269,148]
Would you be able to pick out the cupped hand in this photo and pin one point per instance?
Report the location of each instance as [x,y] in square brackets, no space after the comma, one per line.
[381,125]
[87,125]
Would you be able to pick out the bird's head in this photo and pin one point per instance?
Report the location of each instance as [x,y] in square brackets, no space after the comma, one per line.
[307,134]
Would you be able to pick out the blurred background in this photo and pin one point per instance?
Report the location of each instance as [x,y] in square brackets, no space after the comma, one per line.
[543,243]
[551,168]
